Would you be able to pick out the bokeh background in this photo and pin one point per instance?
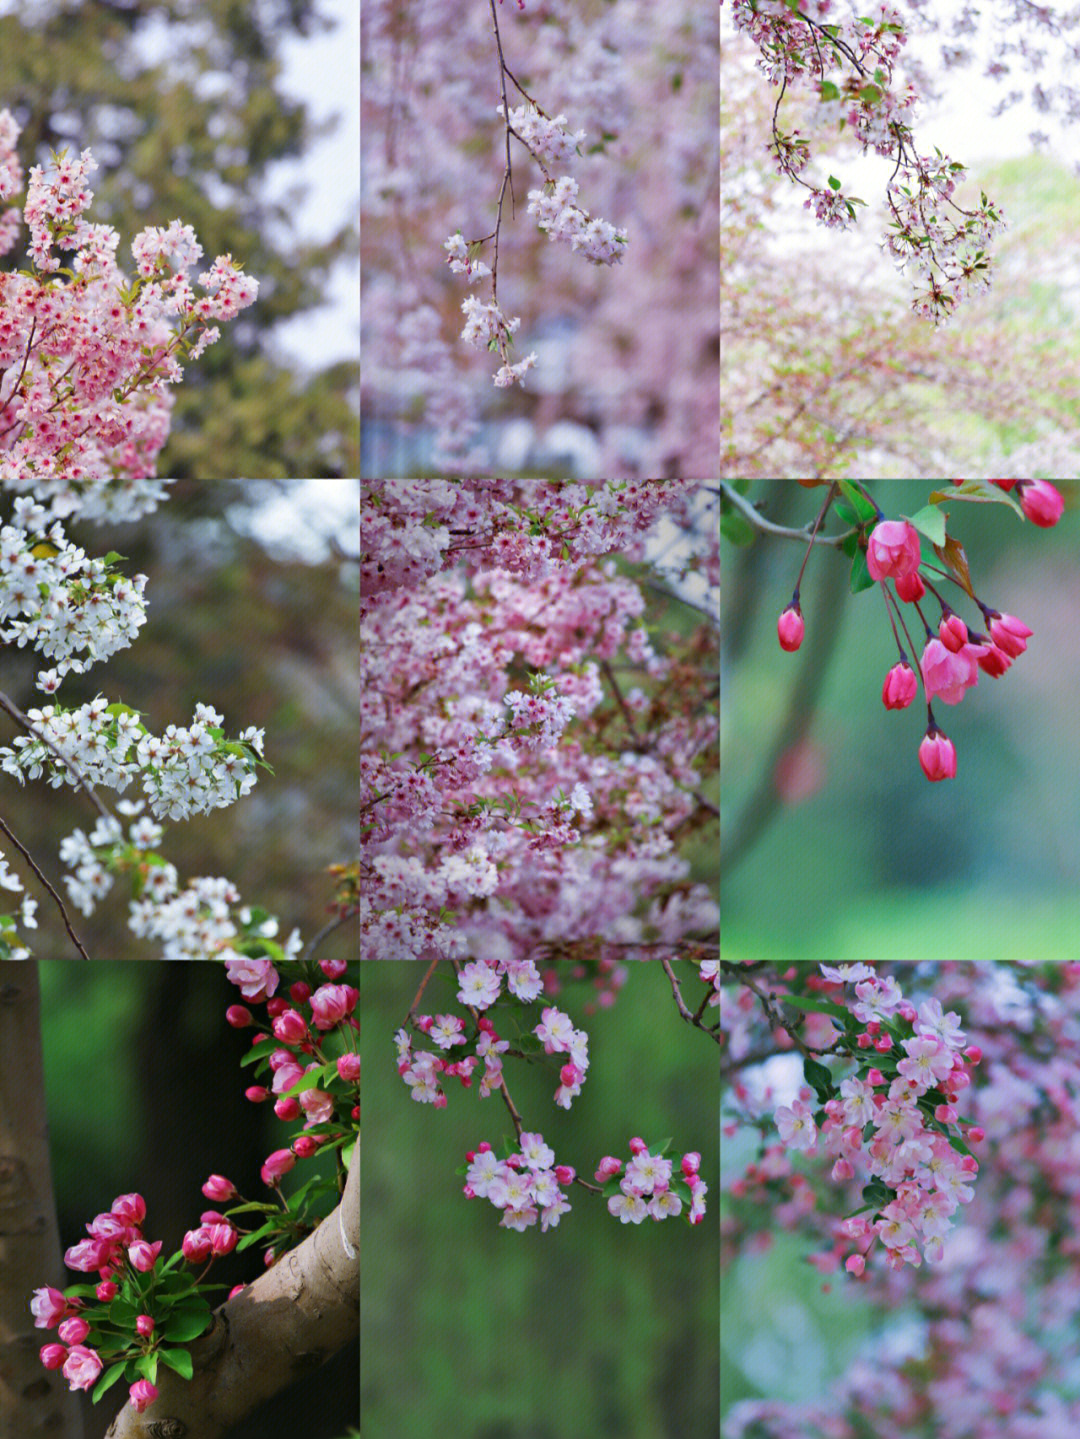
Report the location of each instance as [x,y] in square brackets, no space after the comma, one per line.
[145,1093]
[835,845]
[593,1329]
[626,379]
[252,608]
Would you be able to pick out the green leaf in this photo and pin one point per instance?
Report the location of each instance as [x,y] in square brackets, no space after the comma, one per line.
[817,1006]
[253,1238]
[260,1051]
[876,1193]
[929,521]
[107,1380]
[187,1325]
[865,511]
[870,93]
[829,91]
[179,1360]
[979,492]
[861,578]
[819,1079]
[736,528]
[834,183]
[146,1365]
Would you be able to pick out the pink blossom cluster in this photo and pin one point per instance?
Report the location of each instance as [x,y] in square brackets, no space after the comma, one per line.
[486,820]
[527,1184]
[917,1163]
[849,62]
[116,1246]
[562,219]
[952,656]
[85,364]
[994,1354]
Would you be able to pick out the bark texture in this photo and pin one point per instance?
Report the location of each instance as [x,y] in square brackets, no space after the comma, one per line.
[33,1400]
[290,1320]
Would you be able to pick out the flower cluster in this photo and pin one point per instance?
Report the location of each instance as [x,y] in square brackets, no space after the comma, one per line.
[527,1184]
[126,1325]
[85,364]
[145,1306]
[558,215]
[850,65]
[470,809]
[188,770]
[952,655]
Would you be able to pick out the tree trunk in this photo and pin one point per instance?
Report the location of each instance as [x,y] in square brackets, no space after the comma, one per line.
[291,1319]
[33,1400]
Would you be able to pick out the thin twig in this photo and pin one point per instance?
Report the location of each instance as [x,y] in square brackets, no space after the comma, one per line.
[696,1019]
[60,903]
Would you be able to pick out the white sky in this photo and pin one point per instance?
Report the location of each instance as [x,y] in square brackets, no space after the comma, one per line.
[295,520]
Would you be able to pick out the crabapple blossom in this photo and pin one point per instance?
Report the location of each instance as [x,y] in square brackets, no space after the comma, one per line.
[893,550]
[790,628]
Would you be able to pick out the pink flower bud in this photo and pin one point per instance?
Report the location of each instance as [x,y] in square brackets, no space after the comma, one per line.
[287,1109]
[334,969]
[1009,634]
[910,588]
[107,1291]
[874,1077]
[300,992]
[1041,501]
[638,1146]
[73,1331]
[348,1067]
[974,1053]
[141,1395]
[256,1093]
[900,687]
[131,1208]
[236,1289]
[144,1325]
[953,632]
[790,628]
[855,1264]
[992,660]
[691,1163]
[48,1306]
[975,1135]
[937,755]
[81,1367]
[219,1188]
[238,1016]
[945,1113]
[883,1043]
[331,1003]
[564,1173]
[863,1041]
[305,1146]
[277,1164]
[143,1255]
[608,1167]
[893,550]
[53,1355]
[196,1246]
[289,1026]
[223,1238]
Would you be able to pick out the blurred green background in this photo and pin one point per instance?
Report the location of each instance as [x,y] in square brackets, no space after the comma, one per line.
[145,1094]
[593,1329]
[835,845]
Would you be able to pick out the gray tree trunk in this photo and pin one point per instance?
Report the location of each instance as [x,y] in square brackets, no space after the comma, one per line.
[33,1400]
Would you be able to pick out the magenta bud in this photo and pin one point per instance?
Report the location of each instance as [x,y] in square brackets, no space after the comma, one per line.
[144,1325]
[790,628]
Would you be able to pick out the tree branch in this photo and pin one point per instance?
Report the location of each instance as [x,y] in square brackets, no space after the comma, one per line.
[757,519]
